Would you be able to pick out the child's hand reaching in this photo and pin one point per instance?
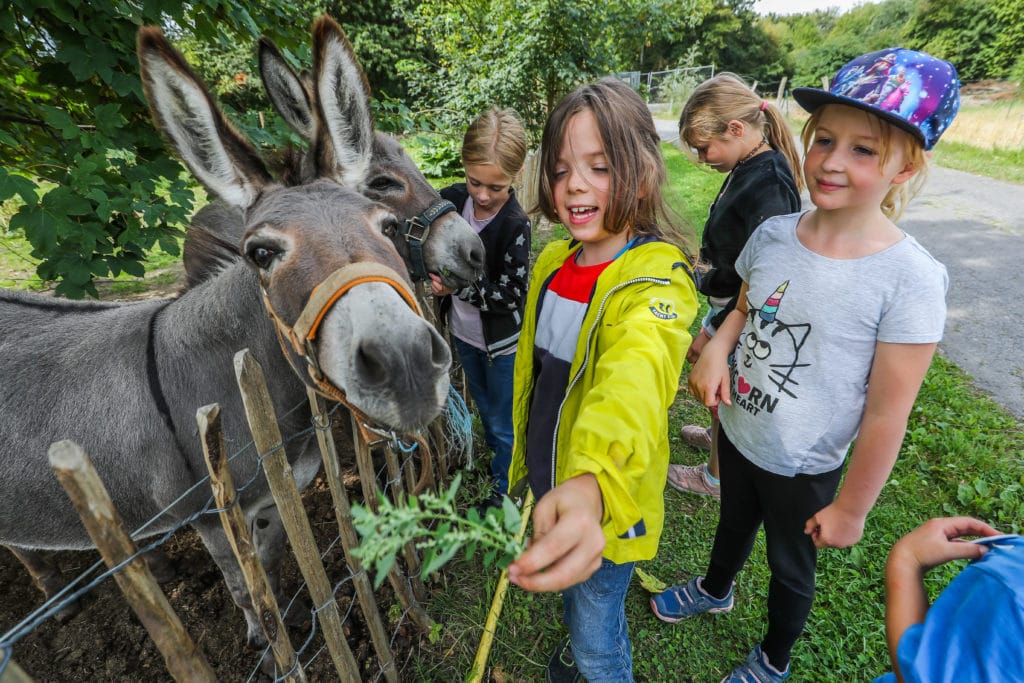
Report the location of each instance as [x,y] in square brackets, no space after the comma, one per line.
[437,288]
[567,538]
[938,541]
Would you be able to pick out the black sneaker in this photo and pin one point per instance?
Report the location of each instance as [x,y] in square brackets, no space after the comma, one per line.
[562,665]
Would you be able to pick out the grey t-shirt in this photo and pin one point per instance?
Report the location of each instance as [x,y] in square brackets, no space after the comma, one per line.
[800,369]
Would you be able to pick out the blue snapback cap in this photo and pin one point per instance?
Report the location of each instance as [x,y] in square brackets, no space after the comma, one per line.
[912,90]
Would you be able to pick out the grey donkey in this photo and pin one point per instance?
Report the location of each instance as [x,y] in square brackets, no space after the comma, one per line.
[125,380]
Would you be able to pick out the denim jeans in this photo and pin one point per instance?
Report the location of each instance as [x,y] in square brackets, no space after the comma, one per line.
[595,612]
[490,385]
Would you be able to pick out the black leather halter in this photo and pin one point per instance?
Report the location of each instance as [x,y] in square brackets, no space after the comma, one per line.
[416,231]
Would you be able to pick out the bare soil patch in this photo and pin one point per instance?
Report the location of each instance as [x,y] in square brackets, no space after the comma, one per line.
[106,642]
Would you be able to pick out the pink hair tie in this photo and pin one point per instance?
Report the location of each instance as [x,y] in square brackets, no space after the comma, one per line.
[764,104]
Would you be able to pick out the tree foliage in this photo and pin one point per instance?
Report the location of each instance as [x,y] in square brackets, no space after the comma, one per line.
[525,55]
[77,146]
[983,38]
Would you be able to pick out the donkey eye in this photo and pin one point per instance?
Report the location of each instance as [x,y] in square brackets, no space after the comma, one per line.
[390,227]
[383,184]
[261,256]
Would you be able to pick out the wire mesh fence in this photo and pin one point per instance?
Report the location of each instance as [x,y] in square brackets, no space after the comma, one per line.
[373,625]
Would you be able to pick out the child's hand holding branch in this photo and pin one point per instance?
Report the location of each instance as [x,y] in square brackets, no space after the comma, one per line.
[567,538]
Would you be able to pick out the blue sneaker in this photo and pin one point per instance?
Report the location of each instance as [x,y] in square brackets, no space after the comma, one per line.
[756,669]
[678,602]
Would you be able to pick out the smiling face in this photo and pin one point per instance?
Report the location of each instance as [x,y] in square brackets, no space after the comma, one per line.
[849,165]
[489,187]
[582,190]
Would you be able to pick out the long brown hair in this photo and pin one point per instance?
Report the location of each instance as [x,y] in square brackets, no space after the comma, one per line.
[726,97]
[633,150]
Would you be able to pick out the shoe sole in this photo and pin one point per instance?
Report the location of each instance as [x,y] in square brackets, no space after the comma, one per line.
[675,620]
[683,489]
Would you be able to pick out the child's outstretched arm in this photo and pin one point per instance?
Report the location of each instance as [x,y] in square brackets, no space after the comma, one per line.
[896,375]
[567,537]
[709,377]
[933,543]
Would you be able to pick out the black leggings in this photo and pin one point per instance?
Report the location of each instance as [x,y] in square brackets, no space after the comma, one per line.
[750,496]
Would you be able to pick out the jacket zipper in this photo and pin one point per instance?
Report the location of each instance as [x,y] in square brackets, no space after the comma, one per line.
[586,358]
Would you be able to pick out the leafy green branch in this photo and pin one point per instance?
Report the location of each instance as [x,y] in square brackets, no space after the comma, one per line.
[438,529]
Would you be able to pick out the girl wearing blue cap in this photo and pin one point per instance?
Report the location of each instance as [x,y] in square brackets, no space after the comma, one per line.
[837,320]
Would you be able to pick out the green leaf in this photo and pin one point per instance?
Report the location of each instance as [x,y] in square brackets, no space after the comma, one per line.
[12,184]
[63,201]
[39,226]
[649,582]
[513,518]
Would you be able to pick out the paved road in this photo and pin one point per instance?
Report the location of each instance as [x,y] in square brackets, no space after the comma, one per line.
[975,226]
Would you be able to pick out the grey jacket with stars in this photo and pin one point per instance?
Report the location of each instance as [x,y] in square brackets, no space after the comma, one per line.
[500,293]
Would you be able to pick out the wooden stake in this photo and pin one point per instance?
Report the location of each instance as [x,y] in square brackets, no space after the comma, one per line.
[483,651]
[263,601]
[781,92]
[349,538]
[396,577]
[185,662]
[412,559]
[13,673]
[259,410]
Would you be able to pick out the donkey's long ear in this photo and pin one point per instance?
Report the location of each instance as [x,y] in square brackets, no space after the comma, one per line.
[344,136]
[219,157]
[287,92]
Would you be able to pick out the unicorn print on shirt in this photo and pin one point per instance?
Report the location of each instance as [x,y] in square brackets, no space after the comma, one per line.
[767,342]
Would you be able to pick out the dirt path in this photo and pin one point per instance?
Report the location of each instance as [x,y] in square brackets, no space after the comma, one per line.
[975,226]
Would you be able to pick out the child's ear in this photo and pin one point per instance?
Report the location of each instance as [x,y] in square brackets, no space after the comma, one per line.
[908,171]
[735,128]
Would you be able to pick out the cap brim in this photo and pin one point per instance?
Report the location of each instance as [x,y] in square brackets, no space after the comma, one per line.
[812,98]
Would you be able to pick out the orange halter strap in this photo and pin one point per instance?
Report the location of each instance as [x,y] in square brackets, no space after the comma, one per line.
[300,337]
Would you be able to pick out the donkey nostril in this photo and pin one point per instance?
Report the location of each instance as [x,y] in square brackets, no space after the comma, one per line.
[476,257]
[370,363]
[440,354]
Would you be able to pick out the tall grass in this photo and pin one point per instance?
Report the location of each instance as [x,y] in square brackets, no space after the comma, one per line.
[962,454]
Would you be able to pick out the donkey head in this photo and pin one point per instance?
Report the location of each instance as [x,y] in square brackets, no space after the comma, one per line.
[330,109]
[345,147]
[389,362]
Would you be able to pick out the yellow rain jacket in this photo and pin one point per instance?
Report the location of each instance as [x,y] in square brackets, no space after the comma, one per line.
[613,420]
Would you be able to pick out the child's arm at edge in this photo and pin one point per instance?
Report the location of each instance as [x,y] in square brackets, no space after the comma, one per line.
[567,537]
[929,545]
[896,375]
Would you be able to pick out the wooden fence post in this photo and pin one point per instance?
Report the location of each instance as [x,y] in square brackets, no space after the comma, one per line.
[396,577]
[12,673]
[412,560]
[349,538]
[259,410]
[263,601]
[185,662]
[781,92]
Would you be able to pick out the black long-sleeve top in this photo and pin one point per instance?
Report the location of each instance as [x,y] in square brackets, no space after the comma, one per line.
[754,190]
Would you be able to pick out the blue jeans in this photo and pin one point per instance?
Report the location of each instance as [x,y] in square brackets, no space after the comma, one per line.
[490,385]
[595,612]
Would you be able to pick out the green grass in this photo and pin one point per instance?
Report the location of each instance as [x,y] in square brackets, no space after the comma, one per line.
[1001,164]
[963,454]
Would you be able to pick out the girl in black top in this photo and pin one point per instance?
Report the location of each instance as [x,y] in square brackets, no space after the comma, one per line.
[729,127]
